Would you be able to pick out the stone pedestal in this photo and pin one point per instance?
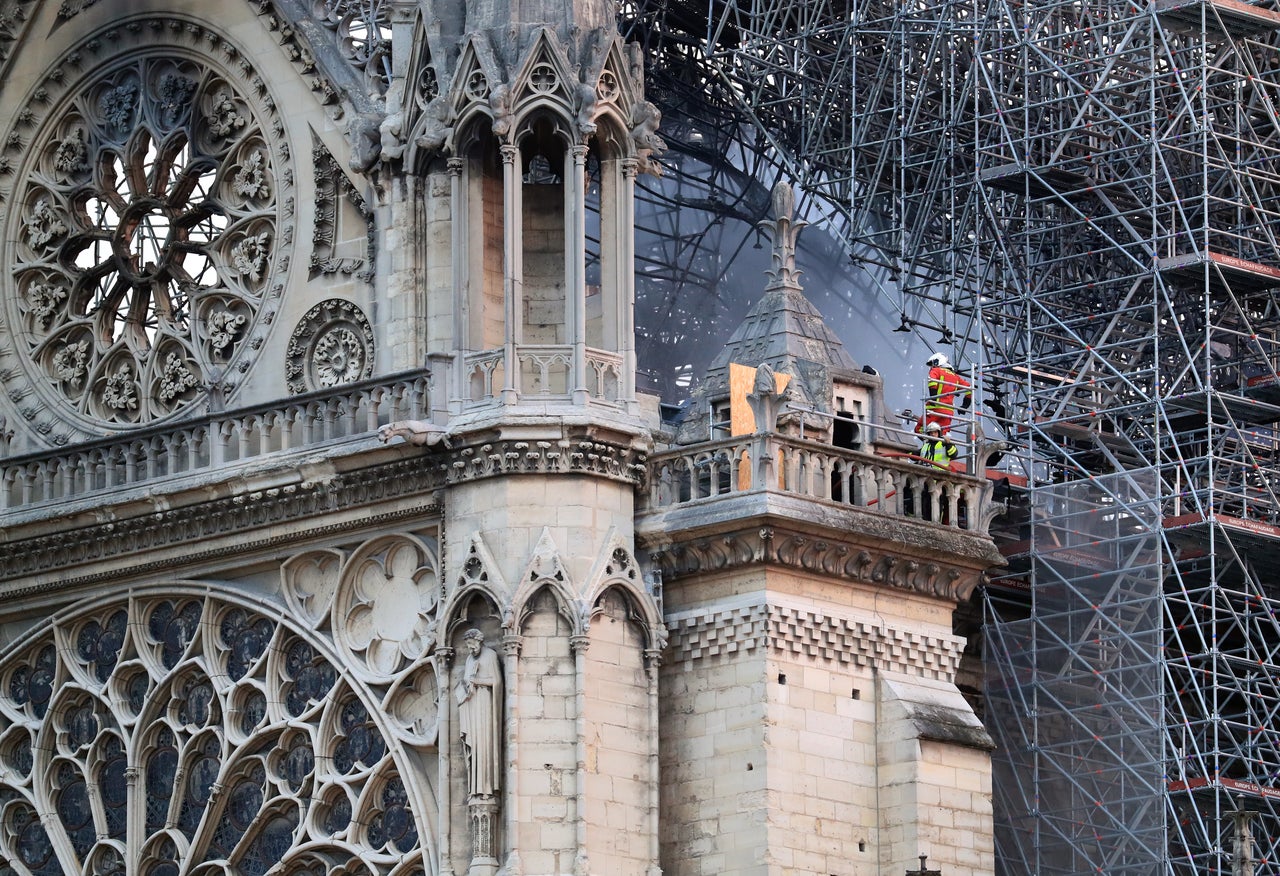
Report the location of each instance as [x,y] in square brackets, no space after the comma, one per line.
[483,813]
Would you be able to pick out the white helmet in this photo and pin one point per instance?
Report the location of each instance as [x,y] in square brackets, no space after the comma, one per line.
[938,360]
[932,427]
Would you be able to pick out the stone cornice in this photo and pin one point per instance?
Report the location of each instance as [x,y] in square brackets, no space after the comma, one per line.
[66,544]
[176,555]
[884,565]
[810,634]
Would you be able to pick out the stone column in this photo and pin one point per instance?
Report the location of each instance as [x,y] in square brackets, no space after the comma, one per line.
[653,662]
[444,751]
[575,267]
[625,228]
[511,644]
[459,391]
[513,271]
[579,645]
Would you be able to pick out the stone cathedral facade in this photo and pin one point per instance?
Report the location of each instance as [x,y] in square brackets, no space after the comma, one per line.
[335,537]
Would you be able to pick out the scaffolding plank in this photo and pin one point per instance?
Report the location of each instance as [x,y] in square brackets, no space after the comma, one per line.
[1250,788]
[1259,404]
[1043,182]
[1255,533]
[1265,389]
[1232,16]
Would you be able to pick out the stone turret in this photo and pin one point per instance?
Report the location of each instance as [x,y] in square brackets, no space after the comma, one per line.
[830,394]
[521,158]
[810,717]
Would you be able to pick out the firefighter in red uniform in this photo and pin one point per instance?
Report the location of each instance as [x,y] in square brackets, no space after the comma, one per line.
[943,386]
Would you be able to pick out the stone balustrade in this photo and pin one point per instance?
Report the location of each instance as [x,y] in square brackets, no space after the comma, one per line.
[895,486]
[545,371]
[213,442]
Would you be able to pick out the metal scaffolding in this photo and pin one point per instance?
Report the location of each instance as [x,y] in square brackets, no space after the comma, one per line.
[1128,171]
[1081,197]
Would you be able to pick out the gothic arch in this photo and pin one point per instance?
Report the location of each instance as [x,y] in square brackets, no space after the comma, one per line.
[621,572]
[554,590]
[477,579]
[544,571]
[251,741]
[474,95]
[634,607]
[611,140]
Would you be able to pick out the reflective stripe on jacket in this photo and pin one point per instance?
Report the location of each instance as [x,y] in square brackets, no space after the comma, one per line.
[938,452]
[943,386]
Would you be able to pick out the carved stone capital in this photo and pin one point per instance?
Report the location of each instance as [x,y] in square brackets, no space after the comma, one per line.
[652,659]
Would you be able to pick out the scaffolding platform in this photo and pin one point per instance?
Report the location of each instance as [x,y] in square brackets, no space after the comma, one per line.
[1260,538]
[1224,272]
[1264,390]
[1230,17]
[1086,439]
[1260,402]
[1045,182]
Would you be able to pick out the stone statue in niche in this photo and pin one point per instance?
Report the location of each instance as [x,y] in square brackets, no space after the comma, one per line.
[479,698]
[764,400]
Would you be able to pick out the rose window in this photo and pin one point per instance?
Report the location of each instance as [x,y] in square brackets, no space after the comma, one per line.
[146,234]
[188,733]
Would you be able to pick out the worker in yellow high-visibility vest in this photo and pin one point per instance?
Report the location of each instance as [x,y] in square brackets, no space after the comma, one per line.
[937,448]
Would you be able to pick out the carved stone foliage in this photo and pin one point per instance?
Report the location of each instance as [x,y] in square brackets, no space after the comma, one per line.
[15,16]
[331,345]
[188,731]
[149,219]
[362,32]
[823,556]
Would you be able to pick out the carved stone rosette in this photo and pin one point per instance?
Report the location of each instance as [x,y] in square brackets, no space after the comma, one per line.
[150,214]
[331,345]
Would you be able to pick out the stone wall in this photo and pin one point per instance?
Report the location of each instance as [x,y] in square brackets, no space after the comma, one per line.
[547,807]
[712,714]
[814,728]
[617,742]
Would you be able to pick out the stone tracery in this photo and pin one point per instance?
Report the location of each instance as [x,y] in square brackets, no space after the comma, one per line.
[150,220]
[150,731]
